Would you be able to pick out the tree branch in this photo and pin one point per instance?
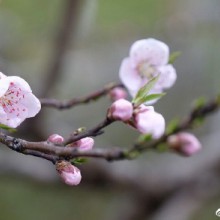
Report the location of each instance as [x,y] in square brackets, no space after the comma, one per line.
[52,152]
[54,103]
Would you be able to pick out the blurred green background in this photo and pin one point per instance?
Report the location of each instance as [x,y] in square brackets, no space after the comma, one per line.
[100,39]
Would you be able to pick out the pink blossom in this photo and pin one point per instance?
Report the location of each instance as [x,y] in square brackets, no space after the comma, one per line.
[121,110]
[148,58]
[147,121]
[184,143]
[83,144]
[17,101]
[69,174]
[117,93]
[56,139]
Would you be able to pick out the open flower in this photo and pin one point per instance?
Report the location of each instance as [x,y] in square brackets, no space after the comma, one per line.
[69,174]
[17,101]
[148,58]
[147,121]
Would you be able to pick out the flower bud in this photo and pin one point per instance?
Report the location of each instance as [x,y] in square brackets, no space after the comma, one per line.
[69,174]
[117,93]
[184,143]
[147,121]
[56,139]
[121,110]
[84,144]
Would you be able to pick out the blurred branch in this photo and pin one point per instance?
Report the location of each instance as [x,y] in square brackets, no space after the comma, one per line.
[61,152]
[54,103]
[61,44]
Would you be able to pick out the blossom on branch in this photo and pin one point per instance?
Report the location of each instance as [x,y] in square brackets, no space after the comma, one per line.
[148,58]
[117,93]
[17,101]
[83,144]
[147,121]
[56,139]
[184,143]
[70,174]
[121,110]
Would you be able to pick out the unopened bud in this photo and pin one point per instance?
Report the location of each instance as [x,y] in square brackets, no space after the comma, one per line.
[184,143]
[121,110]
[83,144]
[69,174]
[117,93]
[56,139]
[147,121]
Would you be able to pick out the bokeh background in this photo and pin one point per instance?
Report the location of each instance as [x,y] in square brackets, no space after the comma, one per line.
[70,48]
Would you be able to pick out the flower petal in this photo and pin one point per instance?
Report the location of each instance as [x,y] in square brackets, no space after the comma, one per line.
[32,103]
[167,76]
[129,76]
[20,83]
[4,85]
[151,50]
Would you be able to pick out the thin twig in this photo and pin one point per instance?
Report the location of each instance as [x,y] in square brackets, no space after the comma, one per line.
[54,103]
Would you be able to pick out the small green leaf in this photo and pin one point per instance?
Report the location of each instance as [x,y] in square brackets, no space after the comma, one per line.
[144,138]
[7,128]
[172,126]
[79,160]
[143,91]
[147,87]
[148,98]
[200,102]
[174,56]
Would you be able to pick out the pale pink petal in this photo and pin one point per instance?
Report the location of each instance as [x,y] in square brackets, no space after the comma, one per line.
[20,83]
[4,85]
[167,76]
[151,50]
[117,93]
[16,114]
[2,76]
[121,110]
[84,144]
[55,138]
[70,174]
[32,103]
[149,122]
[129,75]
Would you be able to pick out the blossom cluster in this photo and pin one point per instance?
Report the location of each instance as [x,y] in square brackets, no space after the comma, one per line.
[69,173]
[145,74]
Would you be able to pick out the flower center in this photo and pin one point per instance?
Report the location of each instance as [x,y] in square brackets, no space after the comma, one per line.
[146,70]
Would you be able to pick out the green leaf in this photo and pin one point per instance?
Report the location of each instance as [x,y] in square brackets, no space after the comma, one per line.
[79,161]
[148,98]
[144,138]
[172,126]
[174,56]
[199,103]
[147,87]
[7,128]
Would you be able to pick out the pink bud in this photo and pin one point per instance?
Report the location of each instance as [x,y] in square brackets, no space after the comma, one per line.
[121,110]
[84,144]
[117,93]
[184,143]
[147,121]
[56,139]
[69,174]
